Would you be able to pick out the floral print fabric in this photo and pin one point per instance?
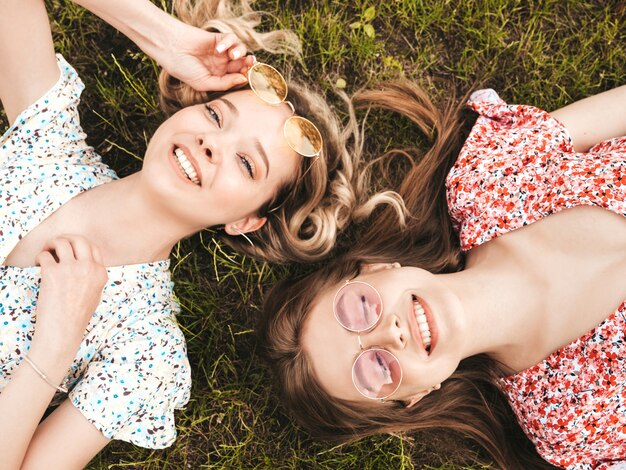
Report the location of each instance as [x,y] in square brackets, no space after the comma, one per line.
[131,370]
[517,166]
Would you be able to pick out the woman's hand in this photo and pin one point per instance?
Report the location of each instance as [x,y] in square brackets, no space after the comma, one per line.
[206,61]
[72,278]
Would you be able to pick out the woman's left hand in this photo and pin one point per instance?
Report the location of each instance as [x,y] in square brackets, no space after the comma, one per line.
[206,61]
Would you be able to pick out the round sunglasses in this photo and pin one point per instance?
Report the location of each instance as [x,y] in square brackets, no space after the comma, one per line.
[301,134]
[376,372]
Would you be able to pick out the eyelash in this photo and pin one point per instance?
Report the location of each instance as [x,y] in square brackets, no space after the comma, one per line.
[246,162]
[213,114]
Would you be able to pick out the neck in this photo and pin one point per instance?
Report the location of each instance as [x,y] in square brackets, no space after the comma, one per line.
[129,227]
[501,308]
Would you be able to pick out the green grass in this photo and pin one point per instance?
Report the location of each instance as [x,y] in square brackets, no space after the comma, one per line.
[541,52]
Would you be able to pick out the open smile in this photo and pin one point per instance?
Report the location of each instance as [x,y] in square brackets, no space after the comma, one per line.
[185,165]
[423,327]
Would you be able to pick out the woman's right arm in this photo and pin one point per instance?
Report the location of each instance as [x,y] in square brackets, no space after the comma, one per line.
[28,67]
[206,61]
[72,278]
[595,119]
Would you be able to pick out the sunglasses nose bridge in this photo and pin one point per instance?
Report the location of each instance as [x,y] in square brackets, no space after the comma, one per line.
[293,110]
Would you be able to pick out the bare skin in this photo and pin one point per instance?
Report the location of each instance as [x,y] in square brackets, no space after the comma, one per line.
[521,296]
[141,217]
[73,246]
[551,282]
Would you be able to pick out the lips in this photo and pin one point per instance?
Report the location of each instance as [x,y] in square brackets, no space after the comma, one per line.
[186,165]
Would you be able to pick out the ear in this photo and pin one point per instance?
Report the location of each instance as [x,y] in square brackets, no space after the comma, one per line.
[245,225]
[418,396]
[366,268]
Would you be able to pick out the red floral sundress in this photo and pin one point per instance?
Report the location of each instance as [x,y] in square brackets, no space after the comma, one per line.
[517,166]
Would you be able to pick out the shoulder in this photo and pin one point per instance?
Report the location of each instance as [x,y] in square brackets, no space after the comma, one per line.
[501,167]
[49,129]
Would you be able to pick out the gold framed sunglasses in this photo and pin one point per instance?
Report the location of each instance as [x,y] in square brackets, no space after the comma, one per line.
[270,86]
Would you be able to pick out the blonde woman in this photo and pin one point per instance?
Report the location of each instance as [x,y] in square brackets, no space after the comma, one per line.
[87,311]
[500,307]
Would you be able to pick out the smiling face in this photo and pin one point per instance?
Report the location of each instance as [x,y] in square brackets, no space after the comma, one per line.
[410,297]
[218,163]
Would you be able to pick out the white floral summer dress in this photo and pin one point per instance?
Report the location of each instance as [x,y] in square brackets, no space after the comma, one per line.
[131,370]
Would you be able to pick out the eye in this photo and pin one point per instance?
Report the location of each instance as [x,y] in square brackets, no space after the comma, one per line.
[213,114]
[247,164]
[366,309]
[384,367]
[370,312]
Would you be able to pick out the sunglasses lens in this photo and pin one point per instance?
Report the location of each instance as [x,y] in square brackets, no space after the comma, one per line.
[303,137]
[376,373]
[357,306]
[267,83]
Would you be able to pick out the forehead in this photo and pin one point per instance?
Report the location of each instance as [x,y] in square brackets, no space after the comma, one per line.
[331,349]
[254,120]
[250,105]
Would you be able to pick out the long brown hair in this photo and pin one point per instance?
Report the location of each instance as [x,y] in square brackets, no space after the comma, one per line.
[311,213]
[468,402]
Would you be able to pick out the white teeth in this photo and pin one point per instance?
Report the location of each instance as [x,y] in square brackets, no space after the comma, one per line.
[186,166]
[422,323]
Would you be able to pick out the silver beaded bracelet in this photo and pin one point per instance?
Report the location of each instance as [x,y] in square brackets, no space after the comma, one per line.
[44,376]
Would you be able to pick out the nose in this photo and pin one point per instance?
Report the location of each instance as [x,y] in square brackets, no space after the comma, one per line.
[389,334]
[207,149]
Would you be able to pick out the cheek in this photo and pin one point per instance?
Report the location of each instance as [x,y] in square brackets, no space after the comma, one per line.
[232,186]
[236,195]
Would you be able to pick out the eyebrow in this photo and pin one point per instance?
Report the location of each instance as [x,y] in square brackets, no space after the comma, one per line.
[261,150]
[257,143]
[229,104]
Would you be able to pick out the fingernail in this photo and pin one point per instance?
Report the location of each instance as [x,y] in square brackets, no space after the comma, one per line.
[220,48]
[242,79]
[236,54]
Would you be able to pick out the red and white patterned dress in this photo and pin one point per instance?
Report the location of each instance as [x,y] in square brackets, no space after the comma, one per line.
[517,166]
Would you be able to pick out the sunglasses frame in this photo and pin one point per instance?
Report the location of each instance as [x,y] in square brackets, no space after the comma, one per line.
[358,332]
[290,119]
[351,282]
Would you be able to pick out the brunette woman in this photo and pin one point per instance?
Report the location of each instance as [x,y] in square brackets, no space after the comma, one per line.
[509,312]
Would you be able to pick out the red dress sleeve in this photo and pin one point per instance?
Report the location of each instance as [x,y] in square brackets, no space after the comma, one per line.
[518,165]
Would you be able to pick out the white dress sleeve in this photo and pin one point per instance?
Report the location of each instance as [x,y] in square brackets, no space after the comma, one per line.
[131,389]
[49,130]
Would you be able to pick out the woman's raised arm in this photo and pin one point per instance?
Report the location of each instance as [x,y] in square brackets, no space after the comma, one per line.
[595,119]
[204,60]
[28,66]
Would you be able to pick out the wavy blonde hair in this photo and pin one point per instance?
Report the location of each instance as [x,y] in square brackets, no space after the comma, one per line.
[330,189]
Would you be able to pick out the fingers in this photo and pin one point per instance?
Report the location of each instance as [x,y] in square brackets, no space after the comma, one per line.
[45,259]
[240,66]
[225,82]
[97,255]
[71,247]
[60,248]
[231,45]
